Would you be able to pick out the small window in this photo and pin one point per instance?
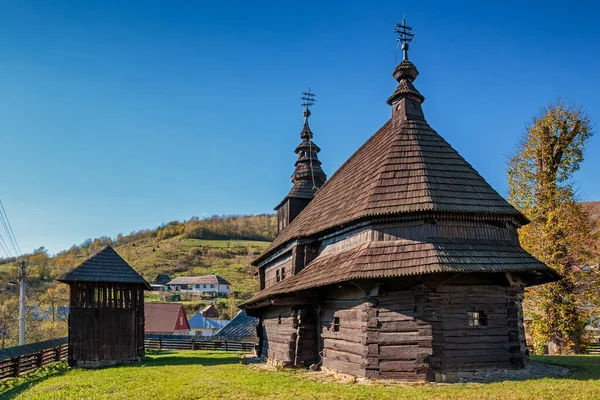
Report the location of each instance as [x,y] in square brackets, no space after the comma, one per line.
[279,319]
[204,286]
[336,324]
[212,286]
[180,320]
[477,318]
[227,286]
[283,273]
[277,277]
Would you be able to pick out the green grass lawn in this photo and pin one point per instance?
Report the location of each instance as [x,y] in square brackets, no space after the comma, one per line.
[217,375]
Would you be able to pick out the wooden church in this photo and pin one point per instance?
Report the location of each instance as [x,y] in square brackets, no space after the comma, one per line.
[405,264]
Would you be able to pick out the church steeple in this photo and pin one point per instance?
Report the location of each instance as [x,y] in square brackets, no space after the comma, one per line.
[308,175]
[406,100]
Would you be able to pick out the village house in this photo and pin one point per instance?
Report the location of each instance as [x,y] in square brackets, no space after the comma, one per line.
[210,311]
[406,264]
[203,326]
[207,285]
[166,319]
[162,279]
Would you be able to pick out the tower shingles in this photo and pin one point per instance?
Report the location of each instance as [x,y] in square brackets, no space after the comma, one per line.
[308,175]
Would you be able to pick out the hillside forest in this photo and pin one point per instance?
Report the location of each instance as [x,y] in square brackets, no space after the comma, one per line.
[222,245]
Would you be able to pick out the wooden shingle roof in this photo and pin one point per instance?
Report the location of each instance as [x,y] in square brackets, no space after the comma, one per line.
[388,259]
[405,167]
[104,266]
[308,175]
[405,170]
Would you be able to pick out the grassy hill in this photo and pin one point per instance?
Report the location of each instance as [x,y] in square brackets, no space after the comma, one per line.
[180,256]
[217,245]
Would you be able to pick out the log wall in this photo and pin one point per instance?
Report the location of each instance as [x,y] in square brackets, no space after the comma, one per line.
[412,334]
[273,273]
[279,335]
[459,346]
[345,350]
[289,335]
[404,336]
[419,229]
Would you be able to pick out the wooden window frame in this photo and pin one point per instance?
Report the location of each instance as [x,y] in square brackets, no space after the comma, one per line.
[335,324]
[477,318]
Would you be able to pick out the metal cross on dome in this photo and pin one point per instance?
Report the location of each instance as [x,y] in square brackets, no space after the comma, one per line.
[308,98]
[405,36]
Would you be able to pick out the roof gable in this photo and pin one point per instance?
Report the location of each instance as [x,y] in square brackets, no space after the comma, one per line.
[104,266]
[163,317]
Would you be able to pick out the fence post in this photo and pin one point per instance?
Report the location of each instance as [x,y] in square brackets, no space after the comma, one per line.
[18,366]
[40,362]
[57,353]
[225,344]
[159,343]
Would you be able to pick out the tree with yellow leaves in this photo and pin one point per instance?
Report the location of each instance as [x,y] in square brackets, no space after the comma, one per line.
[540,177]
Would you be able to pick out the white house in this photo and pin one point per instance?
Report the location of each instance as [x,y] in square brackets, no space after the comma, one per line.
[210,285]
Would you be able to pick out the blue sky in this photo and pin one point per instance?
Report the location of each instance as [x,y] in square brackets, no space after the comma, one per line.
[117,116]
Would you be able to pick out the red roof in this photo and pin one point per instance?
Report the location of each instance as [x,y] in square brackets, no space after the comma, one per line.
[164,318]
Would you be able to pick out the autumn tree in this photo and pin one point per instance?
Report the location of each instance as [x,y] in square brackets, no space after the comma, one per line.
[9,320]
[39,260]
[55,297]
[540,177]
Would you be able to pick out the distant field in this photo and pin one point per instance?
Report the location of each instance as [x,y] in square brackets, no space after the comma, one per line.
[213,375]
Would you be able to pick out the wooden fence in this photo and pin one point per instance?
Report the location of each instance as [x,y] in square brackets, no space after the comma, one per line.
[21,360]
[594,349]
[175,342]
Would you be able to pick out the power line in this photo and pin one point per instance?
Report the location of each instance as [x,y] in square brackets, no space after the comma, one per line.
[4,246]
[12,246]
[11,229]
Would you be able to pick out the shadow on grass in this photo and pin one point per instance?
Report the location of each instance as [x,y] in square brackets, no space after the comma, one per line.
[11,388]
[167,357]
[582,367]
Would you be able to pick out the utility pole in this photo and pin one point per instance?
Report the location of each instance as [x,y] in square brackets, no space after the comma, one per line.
[22,274]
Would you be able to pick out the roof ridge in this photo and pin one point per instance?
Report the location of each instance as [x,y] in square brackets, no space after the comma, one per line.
[105,265]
